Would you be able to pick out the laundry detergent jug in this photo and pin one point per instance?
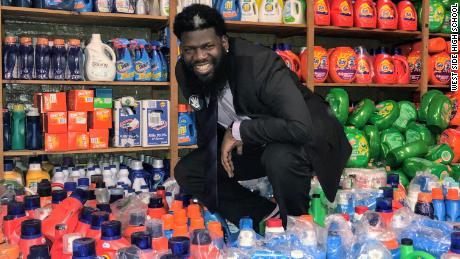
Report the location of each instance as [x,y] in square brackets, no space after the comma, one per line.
[124,64]
[249,10]
[407,16]
[364,66]
[230,10]
[10,57]
[270,11]
[387,15]
[98,65]
[320,64]
[342,13]
[294,12]
[42,59]
[401,67]
[437,14]
[322,13]
[365,14]
[291,59]
[439,69]
[415,66]
[384,68]
[342,65]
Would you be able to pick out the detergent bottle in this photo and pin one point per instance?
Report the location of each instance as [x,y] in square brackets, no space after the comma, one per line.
[157,65]
[249,11]
[365,14]
[35,175]
[322,12]
[271,11]
[31,234]
[342,13]
[452,205]
[294,12]
[74,61]
[187,131]
[104,6]
[26,58]
[407,250]
[123,6]
[57,249]
[98,66]
[401,66]
[424,205]
[136,223]
[58,60]
[438,204]
[34,136]
[12,221]
[96,221]
[44,191]
[124,64]
[414,61]
[142,65]
[230,10]
[6,130]
[387,15]
[342,65]
[143,241]
[84,248]
[154,8]
[407,14]
[384,68]
[155,229]
[439,69]
[42,59]
[10,175]
[83,6]
[111,239]
[364,67]
[10,57]
[84,220]
[436,16]
[18,129]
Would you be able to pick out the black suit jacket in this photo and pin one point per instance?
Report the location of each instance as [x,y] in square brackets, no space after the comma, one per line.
[280,107]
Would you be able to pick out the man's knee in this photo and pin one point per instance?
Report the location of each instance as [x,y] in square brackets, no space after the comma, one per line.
[280,159]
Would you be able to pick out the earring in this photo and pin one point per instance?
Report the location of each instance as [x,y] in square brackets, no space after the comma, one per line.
[227,50]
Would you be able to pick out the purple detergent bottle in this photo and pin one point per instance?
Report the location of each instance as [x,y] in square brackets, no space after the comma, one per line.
[74,60]
[58,60]
[26,58]
[42,59]
[10,57]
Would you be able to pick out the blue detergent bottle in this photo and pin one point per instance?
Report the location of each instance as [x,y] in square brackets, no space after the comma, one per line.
[26,58]
[34,136]
[6,130]
[83,5]
[158,173]
[230,10]
[74,60]
[438,204]
[58,59]
[157,65]
[42,59]
[452,205]
[124,64]
[186,127]
[142,66]
[10,57]
[334,245]
[161,50]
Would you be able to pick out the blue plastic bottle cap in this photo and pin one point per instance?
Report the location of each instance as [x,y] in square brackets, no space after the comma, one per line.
[142,240]
[90,195]
[245,223]
[154,227]
[70,186]
[39,252]
[387,192]
[8,165]
[97,218]
[31,202]
[393,179]
[16,209]
[44,188]
[137,218]
[107,168]
[455,242]
[58,196]
[111,230]
[31,228]
[201,237]
[80,195]
[85,214]
[155,202]
[104,207]
[84,248]
[123,167]
[384,205]
[83,181]
[407,242]
[180,246]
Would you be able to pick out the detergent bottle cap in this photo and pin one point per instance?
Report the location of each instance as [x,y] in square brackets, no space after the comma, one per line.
[407,242]
[84,248]
[33,112]
[197,223]
[194,211]
[158,164]
[215,228]
[452,194]
[137,218]
[142,240]
[16,209]
[39,252]
[31,202]
[83,181]
[384,205]
[387,192]
[306,218]
[80,195]
[201,237]
[155,202]
[104,207]
[393,180]
[31,229]
[111,230]
[35,167]
[70,186]
[168,221]
[10,39]
[436,194]
[137,165]
[182,108]
[245,223]
[154,227]
[25,40]
[455,242]
[85,214]
[58,42]
[274,223]
[58,196]
[97,218]
[8,165]
[74,42]
[361,209]
[100,185]
[179,246]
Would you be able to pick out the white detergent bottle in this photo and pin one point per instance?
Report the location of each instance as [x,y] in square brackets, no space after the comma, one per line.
[249,11]
[154,7]
[164,7]
[123,175]
[270,11]
[100,60]
[108,178]
[293,12]
[206,2]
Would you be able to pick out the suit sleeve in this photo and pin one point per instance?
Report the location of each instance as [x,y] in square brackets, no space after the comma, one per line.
[289,120]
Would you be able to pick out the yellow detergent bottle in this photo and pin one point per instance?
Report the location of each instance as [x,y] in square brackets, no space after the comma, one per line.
[10,175]
[35,175]
[271,11]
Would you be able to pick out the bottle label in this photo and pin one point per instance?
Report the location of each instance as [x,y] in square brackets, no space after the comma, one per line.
[229,11]
[442,69]
[386,13]
[142,70]
[386,67]
[345,66]
[320,65]
[363,67]
[287,16]
[124,6]
[384,109]
[365,11]
[408,14]
[321,8]
[344,8]
[415,68]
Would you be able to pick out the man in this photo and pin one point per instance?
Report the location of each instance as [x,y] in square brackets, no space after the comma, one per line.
[254,118]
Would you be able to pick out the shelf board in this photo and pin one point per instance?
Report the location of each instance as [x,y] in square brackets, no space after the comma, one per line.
[442,35]
[279,29]
[188,147]
[85,18]
[88,151]
[354,32]
[58,82]
[414,86]
[447,87]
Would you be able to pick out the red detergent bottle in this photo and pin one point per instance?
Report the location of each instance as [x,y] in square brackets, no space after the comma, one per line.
[387,15]
[322,13]
[156,207]
[39,252]
[136,223]
[12,222]
[57,197]
[111,239]
[201,245]
[84,220]
[407,16]
[31,234]
[402,70]
[57,249]
[155,228]
[365,14]
[364,67]
[342,13]
[31,203]
[384,68]
[385,209]
[96,221]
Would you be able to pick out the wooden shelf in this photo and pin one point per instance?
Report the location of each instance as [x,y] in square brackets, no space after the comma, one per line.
[188,147]
[279,29]
[57,82]
[447,87]
[415,86]
[443,35]
[89,151]
[354,32]
[90,18]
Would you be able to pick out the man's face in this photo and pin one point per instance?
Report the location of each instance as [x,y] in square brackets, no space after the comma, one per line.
[202,52]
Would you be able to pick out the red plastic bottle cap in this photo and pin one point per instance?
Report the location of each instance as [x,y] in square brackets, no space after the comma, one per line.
[346,216]
[196,223]
[436,194]
[361,209]
[25,40]
[10,39]
[180,231]
[452,194]
[391,244]
[74,42]
[177,204]
[168,221]
[424,197]
[274,223]
[182,108]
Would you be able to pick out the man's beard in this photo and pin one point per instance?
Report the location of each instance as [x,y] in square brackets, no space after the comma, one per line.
[215,82]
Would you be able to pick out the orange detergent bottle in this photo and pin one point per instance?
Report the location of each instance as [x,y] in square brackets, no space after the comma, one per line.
[84,220]
[31,234]
[57,249]
[342,65]
[322,12]
[401,67]
[364,67]
[111,239]
[12,222]
[407,16]
[342,13]
[451,137]
[435,45]
[96,222]
[439,69]
[384,68]
[415,66]
[387,15]
[365,14]
[320,64]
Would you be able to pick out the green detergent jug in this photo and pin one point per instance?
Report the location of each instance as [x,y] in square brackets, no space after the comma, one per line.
[407,114]
[446,28]
[361,113]
[455,171]
[440,153]
[416,131]
[402,177]
[360,148]
[414,149]
[372,134]
[438,115]
[437,14]
[390,139]
[18,129]
[385,114]
[339,102]
[407,251]
[415,164]
[317,210]
[425,103]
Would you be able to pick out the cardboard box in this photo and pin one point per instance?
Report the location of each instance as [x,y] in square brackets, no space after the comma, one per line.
[155,126]
[100,119]
[53,102]
[78,140]
[81,100]
[127,124]
[99,138]
[77,121]
[103,98]
[56,122]
[55,142]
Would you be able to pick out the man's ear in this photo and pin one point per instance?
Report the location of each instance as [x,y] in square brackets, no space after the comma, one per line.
[225,43]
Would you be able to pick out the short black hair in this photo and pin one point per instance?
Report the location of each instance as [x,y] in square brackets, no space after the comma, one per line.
[198,17]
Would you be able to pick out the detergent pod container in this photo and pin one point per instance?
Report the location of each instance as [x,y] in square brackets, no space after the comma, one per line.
[292,60]
[124,64]
[407,16]
[414,164]
[446,25]
[339,102]
[156,207]
[414,149]
[439,69]
[415,66]
[438,115]
[425,103]
[436,16]
[452,138]
[230,10]
[385,114]
[401,67]
[294,12]
[155,229]
[341,13]
[12,221]
[144,242]
[31,203]
[31,234]
[342,65]
[407,114]
[364,67]
[98,65]
[84,248]
[435,45]
[365,14]
[111,240]
[201,246]
[387,15]
[372,134]
[322,13]
[271,11]
[442,153]
[249,10]
[384,68]
[455,116]
[390,139]
[360,148]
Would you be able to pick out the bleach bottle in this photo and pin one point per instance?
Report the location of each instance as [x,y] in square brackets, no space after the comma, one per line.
[187,131]
[58,60]
[10,56]
[230,10]
[124,64]
[42,59]
[249,10]
[157,65]
[34,136]
[26,58]
[142,66]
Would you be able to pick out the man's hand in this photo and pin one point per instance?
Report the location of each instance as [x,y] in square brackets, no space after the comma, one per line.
[228,144]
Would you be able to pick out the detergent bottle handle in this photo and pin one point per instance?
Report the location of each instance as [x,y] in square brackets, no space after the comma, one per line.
[278,9]
[404,64]
[298,7]
[420,254]
[296,63]
[256,9]
[113,57]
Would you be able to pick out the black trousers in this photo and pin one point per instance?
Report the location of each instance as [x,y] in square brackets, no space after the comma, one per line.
[286,166]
